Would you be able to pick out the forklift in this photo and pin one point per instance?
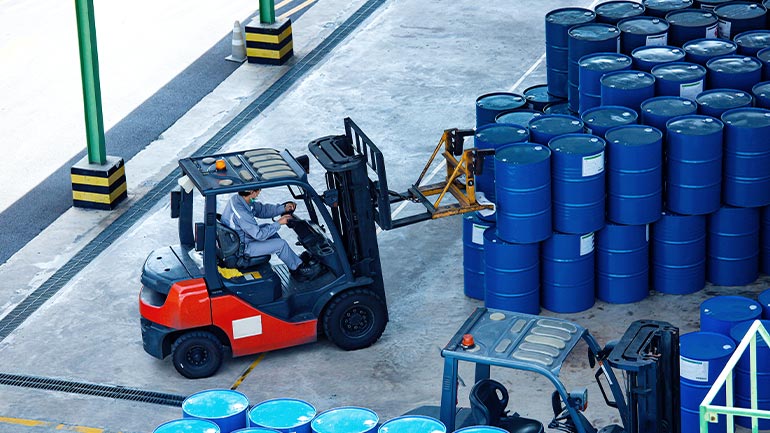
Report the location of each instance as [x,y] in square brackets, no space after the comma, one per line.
[204,297]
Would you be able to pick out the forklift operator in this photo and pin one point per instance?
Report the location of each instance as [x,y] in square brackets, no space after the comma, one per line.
[241,215]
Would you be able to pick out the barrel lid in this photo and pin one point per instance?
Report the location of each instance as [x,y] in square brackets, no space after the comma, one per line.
[523,153]
[518,117]
[605,61]
[215,403]
[658,53]
[347,419]
[669,106]
[740,10]
[634,135]
[609,115]
[667,5]
[500,101]
[738,331]
[679,71]
[556,124]
[187,425]
[561,107]
[753,39]
[761,89]
[694,125]
[627,80]
[711,4]
[539,93]
[570,16]
[724,98]
[593,32]
[498,134]
[705,345]
[734,64]
[256,430]
[619,9]
[734,308]
[764,55]
[747,117]
[691,18]
[710,47]
[643,25]
[577,144]
[412,424]
[282,413]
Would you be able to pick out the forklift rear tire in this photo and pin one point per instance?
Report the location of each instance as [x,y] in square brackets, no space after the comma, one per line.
[355,319]
[197,354]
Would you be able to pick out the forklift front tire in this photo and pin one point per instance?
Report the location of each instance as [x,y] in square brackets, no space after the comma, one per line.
[355,319]
[197,354]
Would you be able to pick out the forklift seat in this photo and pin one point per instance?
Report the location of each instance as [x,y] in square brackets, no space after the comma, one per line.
[489,399]
[230,250]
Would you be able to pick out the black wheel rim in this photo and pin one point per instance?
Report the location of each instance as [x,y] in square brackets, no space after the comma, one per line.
[357,321]
[197,356]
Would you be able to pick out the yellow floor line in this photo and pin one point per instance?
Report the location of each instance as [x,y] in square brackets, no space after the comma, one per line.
[37,423]
[298,8]
[247,372]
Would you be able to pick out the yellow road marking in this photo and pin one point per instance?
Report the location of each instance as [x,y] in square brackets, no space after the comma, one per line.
[37,423]
[247,372]
[298,8]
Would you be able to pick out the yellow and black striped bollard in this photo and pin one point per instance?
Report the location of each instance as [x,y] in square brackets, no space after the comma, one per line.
[270,44]
[98,186]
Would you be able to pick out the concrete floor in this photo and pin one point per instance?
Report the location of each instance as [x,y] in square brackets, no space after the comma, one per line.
[413,69]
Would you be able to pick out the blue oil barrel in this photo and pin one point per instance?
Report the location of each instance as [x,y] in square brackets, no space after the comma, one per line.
[287,415]
[700,51]
[765,241]
[746,159]
[187,425]
[679,79]
[627,88]
[739,16]
[577,183]
[689,24]
[557,23]
[523,190]
[512,274]
[709,4]
[256,430]
[612,12]
[764,57]
[641,31]
[346,419]
[752,42]
[678,253]
[601,119]
[716,101]
[227,408]
[742,375]
[733,246]
[764,300]
[490,105]
[561,107]
[538,97]
[544,128]
[518,117]
[733,72]
[761,92]
[693,164]
[587,39]
[494,136]
[634,174]
[591,68]
[412,424]
[719,314]
[568,273]
[702,356]
[659,8]
[646,58]
[657,111]
[622,263]
[473,254]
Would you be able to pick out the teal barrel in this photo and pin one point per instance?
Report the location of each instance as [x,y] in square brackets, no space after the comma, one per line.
[346,419]
[746,159]
[733,246]
[641,31]
[495,136]
[557,24]
[622,263]
[473,254]
[225,407]
[678,253]
[742,375]
[716,101]
[591,68]
[568,273]
[412,424]
[512,275]
[286,415]
[700,51]
[612,12]
[720,313]
[187,425]
[599,120]
[733,72]
[488,106]
[690,24]
[683,79]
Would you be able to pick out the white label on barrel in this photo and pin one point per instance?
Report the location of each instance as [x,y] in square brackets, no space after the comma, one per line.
[586,244]
[247,327]
[711,32]
[657,39]
[593,165]
[690,90]
[724,29]
[693,369]
[477,235]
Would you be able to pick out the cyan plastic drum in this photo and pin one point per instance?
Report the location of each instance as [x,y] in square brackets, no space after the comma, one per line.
[689,24]
[577,183]
[702,356]
[646,58]
[634,174]
[587,39]
[286,415]
[591,69]
[752,42]
[764,300]
[412,424]
[347,419]
[187,425]
[742,375]
[746,159]
[490,105]
[739,16]
[660,8]
[765,239]
[612,12]
[733,246]
[761,92]
[523,190]
[622,263]
[538,97]
[715,102]
[693,164]
[599,120]
[256,430]
[678,253]
[544,128]
[494,136]
[512,275]
[657,111]
[225,407]
[720,313]
[517,117]
[683,79]
[764,57]
[640,31]
[733,72]
[700,51]
[627,88]
[473,255]
[557,24]
[568,273]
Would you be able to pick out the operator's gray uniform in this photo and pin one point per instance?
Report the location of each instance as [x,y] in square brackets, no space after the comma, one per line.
[259,239]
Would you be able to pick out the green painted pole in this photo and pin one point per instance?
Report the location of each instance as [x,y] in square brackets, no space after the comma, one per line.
[89,69]
[267,11]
